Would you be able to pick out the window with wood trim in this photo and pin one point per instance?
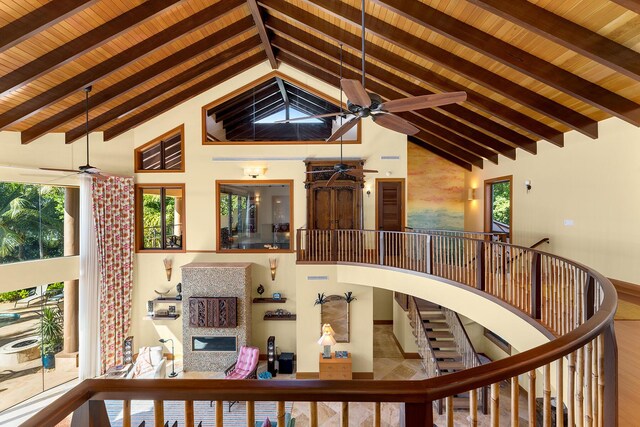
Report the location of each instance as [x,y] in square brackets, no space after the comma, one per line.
[160,217]
[165,153]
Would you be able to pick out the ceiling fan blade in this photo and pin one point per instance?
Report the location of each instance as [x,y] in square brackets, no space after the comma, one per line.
[317,116]
[354,172]
[333,178]
[322,171]
[60,170]
[343,129]
[424,101]
[100,176]
[369,171]
[355,92]
[393,122]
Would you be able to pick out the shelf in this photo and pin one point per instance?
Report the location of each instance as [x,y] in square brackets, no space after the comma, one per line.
[288,317]
[169,317]
[268,300]
[167,300]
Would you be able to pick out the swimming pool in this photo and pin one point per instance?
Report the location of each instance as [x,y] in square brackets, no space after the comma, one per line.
[8,318]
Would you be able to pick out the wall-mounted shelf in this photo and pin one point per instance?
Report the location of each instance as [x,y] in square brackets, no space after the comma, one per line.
[168,317]
[287,317]
[166,300]
[268,300]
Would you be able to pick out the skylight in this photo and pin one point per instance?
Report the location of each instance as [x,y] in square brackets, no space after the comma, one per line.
[293,114]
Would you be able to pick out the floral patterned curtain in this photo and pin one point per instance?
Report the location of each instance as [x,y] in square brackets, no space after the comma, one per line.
[113,213]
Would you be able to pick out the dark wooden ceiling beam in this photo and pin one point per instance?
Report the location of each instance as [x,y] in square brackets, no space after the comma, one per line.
[76,47]
[148,96]
[262,32]
[566,33]
[471,71]
[633,5]
[400,88]
[170,102]
[453,159]
[428,77]
[102,69]
[309,66]
[110,92]
[39,20]
[517,59]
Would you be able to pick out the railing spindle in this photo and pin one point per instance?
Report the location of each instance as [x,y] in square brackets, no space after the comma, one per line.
[515,402]
[126,413]
[251,413]
[313,414]
[495,405]
[158,413]
[531,395]
[188,413]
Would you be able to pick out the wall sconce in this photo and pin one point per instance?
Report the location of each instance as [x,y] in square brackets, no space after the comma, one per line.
[367,187]
[527,185]
[254,171]
[273,264]
[471,194]
[168,263]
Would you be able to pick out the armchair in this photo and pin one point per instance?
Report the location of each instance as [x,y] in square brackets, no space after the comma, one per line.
[244,368]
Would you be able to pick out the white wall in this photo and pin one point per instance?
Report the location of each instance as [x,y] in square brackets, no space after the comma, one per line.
[591,183]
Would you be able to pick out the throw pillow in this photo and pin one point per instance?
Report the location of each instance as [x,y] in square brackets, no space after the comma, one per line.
[266,423]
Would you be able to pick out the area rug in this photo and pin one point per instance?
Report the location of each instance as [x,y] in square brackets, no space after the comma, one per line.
[142,410]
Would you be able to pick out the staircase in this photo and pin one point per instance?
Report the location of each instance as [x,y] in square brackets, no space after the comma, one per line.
[447,346]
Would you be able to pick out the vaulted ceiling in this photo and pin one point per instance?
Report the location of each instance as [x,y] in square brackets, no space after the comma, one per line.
[532,70]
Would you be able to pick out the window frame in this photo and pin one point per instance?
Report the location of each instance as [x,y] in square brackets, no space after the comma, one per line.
[137,155]
[290,182]
[258,81]
[139,218]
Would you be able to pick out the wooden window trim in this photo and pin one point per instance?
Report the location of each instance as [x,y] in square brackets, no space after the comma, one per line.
[137,155]
[256,182]
[256,82]
[139,218]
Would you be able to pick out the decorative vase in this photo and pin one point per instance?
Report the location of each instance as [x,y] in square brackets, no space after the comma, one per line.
[260,289]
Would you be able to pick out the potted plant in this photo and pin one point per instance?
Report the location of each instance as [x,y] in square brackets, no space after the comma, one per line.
[51,335]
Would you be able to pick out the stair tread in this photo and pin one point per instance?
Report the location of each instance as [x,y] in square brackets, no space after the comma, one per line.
[440,334]
[444,354]
[451,364]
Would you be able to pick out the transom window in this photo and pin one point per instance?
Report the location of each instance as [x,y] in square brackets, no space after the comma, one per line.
[160,217]
[164,153]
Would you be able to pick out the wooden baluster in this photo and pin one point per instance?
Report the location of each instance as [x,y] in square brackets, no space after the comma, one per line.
[449,410]
[546,396]
[158,413]
[559,393]
[531,394]
[588,415]
[571,387]
[251,413]
[126,413]
[219,415]
[601,381]
[280,413]
[495,405]
[579,387]
[188,413]
[345,414]
[313,414]
[473,408]
[377,413]
[515,403]
[417,414]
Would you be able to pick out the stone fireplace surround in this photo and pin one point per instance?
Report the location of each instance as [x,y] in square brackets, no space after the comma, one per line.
[215,280]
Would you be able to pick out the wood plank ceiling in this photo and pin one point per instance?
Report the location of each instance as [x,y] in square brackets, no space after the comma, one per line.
[532,70]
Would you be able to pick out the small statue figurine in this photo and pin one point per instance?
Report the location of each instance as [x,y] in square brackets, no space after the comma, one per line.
[260,289]
[179,291]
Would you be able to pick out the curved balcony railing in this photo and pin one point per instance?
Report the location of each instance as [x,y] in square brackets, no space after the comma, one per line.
[575,303]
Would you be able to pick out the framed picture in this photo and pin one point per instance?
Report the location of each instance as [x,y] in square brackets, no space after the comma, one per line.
[277,295]
[342,354]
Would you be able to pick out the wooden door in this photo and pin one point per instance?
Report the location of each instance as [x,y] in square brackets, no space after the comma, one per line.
[390,213]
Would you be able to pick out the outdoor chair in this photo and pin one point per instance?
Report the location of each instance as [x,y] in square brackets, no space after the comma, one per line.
[37,296]
[244,368]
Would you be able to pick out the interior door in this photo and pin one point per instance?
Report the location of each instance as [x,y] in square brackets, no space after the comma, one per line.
[390,213]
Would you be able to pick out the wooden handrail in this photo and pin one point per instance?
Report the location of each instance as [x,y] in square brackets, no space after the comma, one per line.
[417,395]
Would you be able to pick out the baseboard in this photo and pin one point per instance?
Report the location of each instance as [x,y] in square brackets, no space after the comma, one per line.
[405,355]
[626,288]
[316,375]
[383,322]
[307,375]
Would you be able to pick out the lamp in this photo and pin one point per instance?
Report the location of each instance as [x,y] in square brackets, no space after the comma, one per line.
[168,263]
[273,264]
[327,340]
[173,358]
[471,194]
[254,171]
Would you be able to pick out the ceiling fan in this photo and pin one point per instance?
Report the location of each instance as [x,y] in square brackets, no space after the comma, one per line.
[362,104]
[84,169]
